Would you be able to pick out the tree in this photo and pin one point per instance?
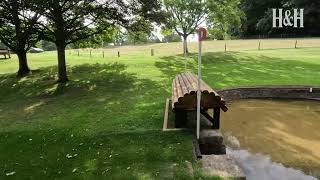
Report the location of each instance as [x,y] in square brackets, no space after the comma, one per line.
[97,40]
[18,29]
[139,32]
[137,37]
[69,21]
[48,46]
[224,17]
[170,35]
[259,17]
[184,16]
[311,15]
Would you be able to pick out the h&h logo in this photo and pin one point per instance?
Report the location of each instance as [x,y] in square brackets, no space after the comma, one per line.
[286,20]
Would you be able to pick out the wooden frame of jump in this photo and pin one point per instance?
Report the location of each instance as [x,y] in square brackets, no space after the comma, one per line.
[184,99]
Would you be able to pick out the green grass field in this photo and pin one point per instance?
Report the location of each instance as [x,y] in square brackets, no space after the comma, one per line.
[106,122]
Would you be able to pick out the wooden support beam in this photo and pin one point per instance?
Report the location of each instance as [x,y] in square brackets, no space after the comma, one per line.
[180,118]
[216,118]
[205,114]
[166,115]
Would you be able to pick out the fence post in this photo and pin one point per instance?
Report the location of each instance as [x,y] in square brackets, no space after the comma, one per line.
[295,45]
[78,53]
[118,53]
[225,47]
[152,52]
[259,46]
[102,54]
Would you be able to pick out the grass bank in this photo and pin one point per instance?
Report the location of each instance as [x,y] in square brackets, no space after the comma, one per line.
[105,123]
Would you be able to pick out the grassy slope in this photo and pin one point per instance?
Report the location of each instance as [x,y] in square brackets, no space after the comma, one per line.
[110,114]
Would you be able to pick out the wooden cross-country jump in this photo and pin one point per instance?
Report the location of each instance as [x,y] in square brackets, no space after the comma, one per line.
[184,99]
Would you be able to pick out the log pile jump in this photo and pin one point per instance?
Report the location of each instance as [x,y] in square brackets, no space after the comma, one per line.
[184,99]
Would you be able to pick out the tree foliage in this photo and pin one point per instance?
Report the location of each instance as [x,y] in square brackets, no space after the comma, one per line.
[259,17]
[69,21]
[224,18]
[185,16]
[170,35]
[18,29]
[98,40]
[47,45]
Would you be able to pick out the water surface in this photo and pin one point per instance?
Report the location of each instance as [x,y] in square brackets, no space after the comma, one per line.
[286,131]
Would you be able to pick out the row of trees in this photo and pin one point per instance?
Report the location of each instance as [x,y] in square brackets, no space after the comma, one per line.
[77,22]
[258,15]
[24,22]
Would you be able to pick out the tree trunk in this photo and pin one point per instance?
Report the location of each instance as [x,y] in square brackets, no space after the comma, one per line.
[23,64]
[62,69]
[185,46]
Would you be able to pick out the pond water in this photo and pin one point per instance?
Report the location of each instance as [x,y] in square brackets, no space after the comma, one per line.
[278,136]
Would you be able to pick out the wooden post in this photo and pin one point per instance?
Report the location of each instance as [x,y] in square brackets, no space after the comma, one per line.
[118,53]
[216,118]
[259,46]
[102,54]
[180,118]
[152,52]
[78,53]
[225,47]
[295,45]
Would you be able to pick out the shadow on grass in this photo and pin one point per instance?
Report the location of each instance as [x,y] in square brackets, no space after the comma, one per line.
[42,83]
[57,154]
[96,95]
[104,123]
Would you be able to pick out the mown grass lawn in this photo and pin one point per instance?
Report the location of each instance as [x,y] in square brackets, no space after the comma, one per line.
[106,122]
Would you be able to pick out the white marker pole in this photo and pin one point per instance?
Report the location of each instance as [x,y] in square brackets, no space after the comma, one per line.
[199,90]
[185,55]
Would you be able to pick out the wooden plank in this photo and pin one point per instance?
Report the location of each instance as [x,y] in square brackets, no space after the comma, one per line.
[166,115]
[192,83]
[178,86]
[216,118]
[183,86]
[205,114]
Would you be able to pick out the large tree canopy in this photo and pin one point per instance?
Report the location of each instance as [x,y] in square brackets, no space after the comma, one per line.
[18,29]
[68,21]
[184,16]
[224,18]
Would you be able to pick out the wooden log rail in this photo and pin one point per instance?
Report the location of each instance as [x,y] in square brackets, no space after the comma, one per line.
[184,98]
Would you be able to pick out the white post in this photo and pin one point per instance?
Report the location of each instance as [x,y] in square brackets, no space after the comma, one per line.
[185,54]
[199,90]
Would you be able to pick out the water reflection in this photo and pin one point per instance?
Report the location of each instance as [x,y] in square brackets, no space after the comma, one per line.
[286,131]
[259,167]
